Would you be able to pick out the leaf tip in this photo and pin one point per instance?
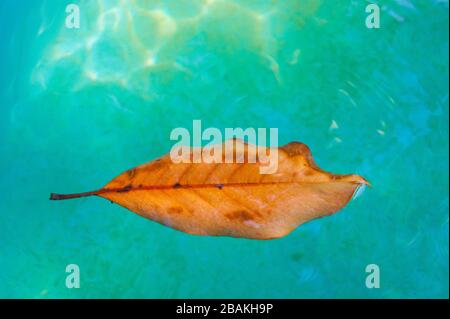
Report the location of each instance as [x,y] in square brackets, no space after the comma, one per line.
[354,178]
[364,181]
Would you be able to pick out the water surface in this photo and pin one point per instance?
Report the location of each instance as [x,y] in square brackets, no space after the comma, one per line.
[79,106]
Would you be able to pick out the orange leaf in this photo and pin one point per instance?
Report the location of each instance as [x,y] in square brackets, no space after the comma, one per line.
[232,199]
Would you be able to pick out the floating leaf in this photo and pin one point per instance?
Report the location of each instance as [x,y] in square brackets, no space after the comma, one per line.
[232,199]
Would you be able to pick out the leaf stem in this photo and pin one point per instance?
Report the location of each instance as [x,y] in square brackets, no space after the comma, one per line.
[54,196]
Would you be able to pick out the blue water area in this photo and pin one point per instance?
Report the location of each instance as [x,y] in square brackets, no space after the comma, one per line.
[78,106]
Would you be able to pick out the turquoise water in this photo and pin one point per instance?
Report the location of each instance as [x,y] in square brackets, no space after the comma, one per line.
[79,106]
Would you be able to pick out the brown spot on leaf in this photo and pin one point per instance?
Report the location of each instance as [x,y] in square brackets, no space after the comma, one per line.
[125,189]
[240,215]
[131,173]
[309,172]
[175,210]
[155,166]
